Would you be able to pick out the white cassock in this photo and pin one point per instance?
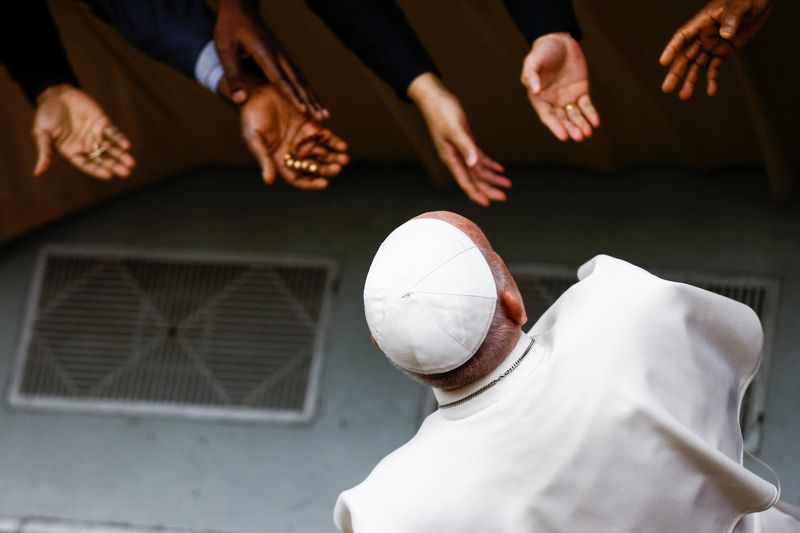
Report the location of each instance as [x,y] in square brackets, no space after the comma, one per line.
[622,418]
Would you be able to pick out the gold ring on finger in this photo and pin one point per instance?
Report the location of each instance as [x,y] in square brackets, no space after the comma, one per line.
[97,150]
[110,131]
[313,168]
[569,107]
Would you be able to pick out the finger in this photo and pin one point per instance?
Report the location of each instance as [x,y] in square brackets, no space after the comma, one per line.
[113,165]
[335,142]
[679,67]
[322,138]
[307,183]
[731,19]
[466,147]
[301,88]
[122,156]
[322,113]
[270,65]
[533,82]
[712,74]
[453,160]
[324,155]
[573,130]
[493,193]
[548,117]
[685,34]
[492,178]
[44,152]
[229,57]
[691,80]
[91,167]
[577,118]
[588,110]
[115,160]
[258,147]
[112,133]
[490,163]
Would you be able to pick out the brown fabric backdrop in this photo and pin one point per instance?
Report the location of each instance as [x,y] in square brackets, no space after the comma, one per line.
[175,124]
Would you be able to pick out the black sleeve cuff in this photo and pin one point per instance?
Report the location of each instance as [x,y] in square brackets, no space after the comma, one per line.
[31,49]
[535,18]
[173,32]
[379,34]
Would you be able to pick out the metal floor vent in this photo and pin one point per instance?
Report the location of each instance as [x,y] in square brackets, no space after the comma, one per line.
[541,286]
[207,335]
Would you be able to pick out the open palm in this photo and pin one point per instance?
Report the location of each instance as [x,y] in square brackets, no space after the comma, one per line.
[278,135]
[73,123]
[557,79]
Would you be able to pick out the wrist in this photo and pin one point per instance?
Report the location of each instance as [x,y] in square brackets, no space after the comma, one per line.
[559,35]
[250,6]
[54,91]
[426,90]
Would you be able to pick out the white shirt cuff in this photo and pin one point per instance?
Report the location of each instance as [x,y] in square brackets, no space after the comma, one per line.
[208,68]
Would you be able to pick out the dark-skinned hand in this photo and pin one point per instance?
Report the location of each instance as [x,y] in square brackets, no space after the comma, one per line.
[707,39]
[285,141]
[239,34]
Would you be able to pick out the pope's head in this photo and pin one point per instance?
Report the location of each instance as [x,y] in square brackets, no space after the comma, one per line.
[440,302]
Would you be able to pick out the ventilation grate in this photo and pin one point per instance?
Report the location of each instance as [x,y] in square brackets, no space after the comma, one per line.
[188,334]
[541,286]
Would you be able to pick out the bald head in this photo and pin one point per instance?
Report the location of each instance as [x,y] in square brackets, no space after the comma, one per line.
[468,227]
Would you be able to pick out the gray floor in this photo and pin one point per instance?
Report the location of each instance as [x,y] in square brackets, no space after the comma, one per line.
[272,477]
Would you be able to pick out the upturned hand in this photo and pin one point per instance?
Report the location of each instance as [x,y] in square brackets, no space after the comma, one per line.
[70,121]
[556,77]
[287,142]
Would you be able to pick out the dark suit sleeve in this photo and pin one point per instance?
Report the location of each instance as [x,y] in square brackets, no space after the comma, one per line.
[31,48]
[379,34]
[171,31]
[535,18]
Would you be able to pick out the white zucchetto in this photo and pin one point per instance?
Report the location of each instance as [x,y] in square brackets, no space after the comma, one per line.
[429,297]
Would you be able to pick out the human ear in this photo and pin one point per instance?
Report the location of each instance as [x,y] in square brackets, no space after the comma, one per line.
[513,306]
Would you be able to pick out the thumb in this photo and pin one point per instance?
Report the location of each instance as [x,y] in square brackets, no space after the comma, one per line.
[466,147]
[268,171]
[534,82]
[261,152]
[229,58]
[43,151]
[732,19]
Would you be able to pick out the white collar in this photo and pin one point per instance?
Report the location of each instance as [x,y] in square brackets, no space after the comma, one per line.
[477,403]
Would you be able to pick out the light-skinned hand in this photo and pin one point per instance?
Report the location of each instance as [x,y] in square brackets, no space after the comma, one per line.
[70,121]
[557,80]
[476,173]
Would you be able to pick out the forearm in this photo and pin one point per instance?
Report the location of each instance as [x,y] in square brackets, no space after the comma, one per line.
[379,34]
[40,61]
[535,18]
[176,32]
[426,91]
